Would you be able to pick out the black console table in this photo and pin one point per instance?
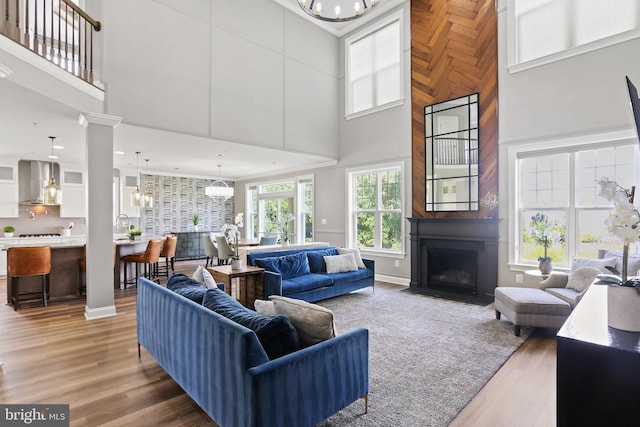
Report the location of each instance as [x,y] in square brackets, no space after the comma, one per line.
[598,370]
[190,245]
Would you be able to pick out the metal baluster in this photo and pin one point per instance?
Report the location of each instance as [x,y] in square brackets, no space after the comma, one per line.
[44,30]
[85,74]
[73,44]
[91,56]
[16,30]
[59,55]
[27,41]
[66,36]
[52,52]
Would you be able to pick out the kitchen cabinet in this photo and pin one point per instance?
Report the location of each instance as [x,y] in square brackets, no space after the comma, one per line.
[73,194]
[9,195]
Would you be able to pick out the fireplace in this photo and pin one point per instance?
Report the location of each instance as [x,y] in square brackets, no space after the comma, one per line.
[455,258]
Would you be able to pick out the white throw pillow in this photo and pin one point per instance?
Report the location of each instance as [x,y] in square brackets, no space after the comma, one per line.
[204,278]
[581,278]
[556,279]
[340,263]
[265,308]
[356,255]
[313,323]
[600,264]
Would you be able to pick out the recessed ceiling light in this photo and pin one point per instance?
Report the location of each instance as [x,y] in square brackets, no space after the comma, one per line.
[58,147]
[52,156]
[118,152]
[220,154]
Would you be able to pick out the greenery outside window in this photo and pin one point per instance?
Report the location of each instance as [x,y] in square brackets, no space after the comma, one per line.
[376,208]
[269,203]
[374,72]
[560,185]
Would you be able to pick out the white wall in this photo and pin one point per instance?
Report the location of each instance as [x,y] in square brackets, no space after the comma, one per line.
[243,71]
[377,138]
[581,95]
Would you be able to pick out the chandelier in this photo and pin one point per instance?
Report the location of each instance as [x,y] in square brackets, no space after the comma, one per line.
[52,192]
[218,188]
[337,10]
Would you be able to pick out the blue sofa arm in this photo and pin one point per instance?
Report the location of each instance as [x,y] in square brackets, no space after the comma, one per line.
[371,265]
[321,380]
[272,284]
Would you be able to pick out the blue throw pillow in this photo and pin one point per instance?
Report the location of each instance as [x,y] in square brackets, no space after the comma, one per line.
[187,287]
[276,333]
[316,260]
[288,266]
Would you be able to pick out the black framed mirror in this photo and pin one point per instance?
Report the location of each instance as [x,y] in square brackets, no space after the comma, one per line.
[452,152]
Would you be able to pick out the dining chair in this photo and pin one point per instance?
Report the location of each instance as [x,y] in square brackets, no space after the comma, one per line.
[224,251]
[24,262]
[210,249]
[268,240]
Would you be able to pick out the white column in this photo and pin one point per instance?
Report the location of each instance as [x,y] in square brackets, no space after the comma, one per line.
[99,144]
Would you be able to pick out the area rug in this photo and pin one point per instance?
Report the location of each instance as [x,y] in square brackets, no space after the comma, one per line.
[428,357]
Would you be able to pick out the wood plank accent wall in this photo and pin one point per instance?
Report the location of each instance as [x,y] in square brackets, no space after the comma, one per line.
[454,52]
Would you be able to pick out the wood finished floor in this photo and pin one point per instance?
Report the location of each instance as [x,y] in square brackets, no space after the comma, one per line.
[54,355]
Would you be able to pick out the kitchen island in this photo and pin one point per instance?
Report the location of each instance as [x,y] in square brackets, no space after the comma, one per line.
[64,279]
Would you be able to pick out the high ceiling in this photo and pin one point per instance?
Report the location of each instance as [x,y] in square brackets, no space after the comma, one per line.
[27,119]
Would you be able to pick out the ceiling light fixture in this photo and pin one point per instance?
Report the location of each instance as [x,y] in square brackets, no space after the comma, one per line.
[136,196]
[147,198]
[52,191]
[337,10]
[218,188]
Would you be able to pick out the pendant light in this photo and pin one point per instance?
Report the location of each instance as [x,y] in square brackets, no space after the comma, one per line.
[136,196]
[52,191]
[147,198]
[218,188]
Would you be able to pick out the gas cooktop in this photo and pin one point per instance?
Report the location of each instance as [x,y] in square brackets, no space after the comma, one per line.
[40,235]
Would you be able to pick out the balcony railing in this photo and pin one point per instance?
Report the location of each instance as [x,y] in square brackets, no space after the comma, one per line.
[57,30]
[455,151]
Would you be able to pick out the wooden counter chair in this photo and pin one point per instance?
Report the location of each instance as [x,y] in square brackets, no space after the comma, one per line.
[168,252]
[28,261]
[82,268]
[149,258]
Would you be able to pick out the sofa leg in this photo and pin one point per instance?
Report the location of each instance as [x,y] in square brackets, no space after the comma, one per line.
[516,330]
[497,315]
[138,350]
[366,403]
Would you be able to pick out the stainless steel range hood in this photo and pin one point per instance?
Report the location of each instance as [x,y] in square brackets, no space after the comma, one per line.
[33,176]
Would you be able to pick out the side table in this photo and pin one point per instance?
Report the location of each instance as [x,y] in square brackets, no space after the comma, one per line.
[537,273]
[250,282]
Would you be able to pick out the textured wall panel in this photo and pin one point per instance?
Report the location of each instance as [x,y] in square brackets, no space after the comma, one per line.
[177,199]
[454,52]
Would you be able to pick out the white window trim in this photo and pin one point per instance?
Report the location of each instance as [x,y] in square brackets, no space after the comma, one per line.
[349,211]
[589,141]
[512,45]
[297,200]
[396,16]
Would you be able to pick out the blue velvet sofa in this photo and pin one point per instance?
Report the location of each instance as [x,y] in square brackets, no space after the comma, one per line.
[285,274]
[223,367]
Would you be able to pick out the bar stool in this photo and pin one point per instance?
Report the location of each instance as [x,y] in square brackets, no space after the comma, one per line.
[168,253]
[82,268]
[149,258]
[28,261]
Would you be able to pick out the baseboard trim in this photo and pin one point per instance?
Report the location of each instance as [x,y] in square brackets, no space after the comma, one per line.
[99,313]
[393,279]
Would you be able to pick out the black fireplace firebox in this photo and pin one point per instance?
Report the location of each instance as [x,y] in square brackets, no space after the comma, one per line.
[455,258]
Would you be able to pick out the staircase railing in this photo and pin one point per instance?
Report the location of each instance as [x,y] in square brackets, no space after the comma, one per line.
[57,30]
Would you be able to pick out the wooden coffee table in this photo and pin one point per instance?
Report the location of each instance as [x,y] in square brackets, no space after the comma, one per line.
[250,282]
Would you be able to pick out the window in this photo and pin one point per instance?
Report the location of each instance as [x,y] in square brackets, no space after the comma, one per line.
[269,204]
[373,60]
[547,30]
[558,191]
[376,208]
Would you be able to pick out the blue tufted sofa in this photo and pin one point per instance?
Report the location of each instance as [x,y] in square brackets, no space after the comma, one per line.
[223,367]
[286,276]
